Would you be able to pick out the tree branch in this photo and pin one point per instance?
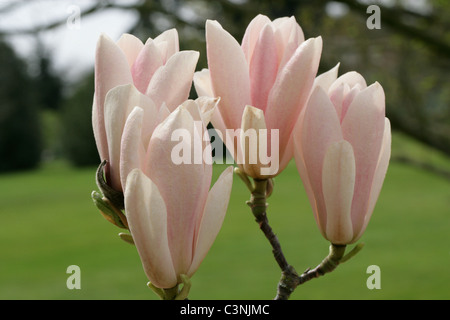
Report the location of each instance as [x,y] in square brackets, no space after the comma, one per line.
[93,9]
[392,18]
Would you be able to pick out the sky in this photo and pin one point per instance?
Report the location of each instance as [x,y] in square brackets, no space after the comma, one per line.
[72,44]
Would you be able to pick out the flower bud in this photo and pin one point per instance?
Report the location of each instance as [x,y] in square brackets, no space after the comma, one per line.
[342,151]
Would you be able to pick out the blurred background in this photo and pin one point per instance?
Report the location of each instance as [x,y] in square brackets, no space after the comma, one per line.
[48,155]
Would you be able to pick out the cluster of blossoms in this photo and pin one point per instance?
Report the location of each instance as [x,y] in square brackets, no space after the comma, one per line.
[334,127]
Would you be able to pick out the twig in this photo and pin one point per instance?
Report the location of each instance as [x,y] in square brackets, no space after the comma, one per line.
[290,279]
[258,206]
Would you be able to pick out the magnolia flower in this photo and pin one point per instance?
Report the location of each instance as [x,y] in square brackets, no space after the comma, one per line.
[272,71]
[342,151]
[157,69]
[172,215]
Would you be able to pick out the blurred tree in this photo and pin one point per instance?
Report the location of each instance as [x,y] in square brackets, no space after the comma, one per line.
[76,126]
[20,131]
[49,85]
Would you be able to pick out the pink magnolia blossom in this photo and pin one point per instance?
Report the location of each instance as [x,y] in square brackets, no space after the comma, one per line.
[173,215]
[342,151]
[272,71]
[157,69]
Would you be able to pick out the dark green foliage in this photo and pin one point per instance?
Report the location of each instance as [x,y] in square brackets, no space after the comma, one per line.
[49,85]
[77,134]
[20,132]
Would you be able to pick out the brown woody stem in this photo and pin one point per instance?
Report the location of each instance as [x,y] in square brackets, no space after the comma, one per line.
[258,206]
[290,279]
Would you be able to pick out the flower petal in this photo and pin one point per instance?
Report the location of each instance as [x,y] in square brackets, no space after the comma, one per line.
[202,83]
[259,160]
[292,89]
[338,182]
[319,129]
[132,152]
[229,73]
[301,168]
[119,103]
[252,122]
[117,109]
[203,86]
[207,107]
[287,154]
[380,173]
[351,78]
[326,79]
[172,82]
[131,46]
[147,219]
[170,37]
[289,36]
[252,33]
[363,127]
[213,216]
[111,70]
[183,186]
[263,67]
[99,137]
[145,65]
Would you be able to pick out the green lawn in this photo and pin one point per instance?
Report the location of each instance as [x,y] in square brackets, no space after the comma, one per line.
[48,222]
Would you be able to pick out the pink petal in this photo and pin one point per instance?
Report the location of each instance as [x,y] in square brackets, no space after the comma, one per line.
[229,73]
[111,70]
[252,33]
[119,103]
[207,107]
[170,37]
[363,127]
[326,79]
[163,113]
[337,96]
[289,36]
[203,86]
[147,219]
[132,152]
[213,216]
[292,89]
[348,99]
[338,182]
[287,155]
[145,66]
[131,46]
[263,68]
[184,187]
[253,124]
[100,139]
[172,82]
[319,129]
[351,78]
[301,168]
[289,29]
[201,120]
[117,109]
[202,83]
[380,173]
